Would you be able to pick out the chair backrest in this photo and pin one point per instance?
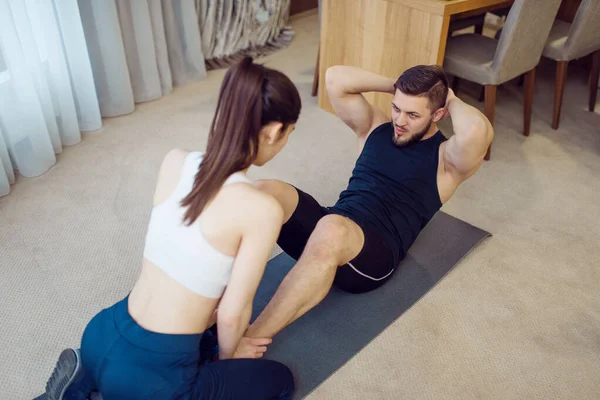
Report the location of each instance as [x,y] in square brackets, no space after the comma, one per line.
[584,37]
[524,36]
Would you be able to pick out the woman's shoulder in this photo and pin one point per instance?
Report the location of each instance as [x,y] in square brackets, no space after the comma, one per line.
[257,205]
[170,173]
[179,155]
[175,159]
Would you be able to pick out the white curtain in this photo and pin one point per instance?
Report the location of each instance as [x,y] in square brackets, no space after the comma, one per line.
[64,64]
[45,85]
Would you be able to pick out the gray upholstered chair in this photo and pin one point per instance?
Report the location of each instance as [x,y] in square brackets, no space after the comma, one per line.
[569,42]
[458,23]
[492,62]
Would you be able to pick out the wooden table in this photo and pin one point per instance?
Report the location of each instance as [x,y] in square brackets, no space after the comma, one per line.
[389,36]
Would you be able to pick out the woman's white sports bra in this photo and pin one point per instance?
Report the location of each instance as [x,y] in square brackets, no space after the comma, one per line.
[181,251]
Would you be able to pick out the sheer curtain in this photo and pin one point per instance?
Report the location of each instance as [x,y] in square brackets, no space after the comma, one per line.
[45,86]
[65,64]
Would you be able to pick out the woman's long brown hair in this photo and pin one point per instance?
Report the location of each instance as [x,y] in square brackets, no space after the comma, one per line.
[251,96]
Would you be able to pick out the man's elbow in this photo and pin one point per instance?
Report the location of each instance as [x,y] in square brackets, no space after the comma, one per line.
[489,132]
[333,79]
[482,130]
[330,74]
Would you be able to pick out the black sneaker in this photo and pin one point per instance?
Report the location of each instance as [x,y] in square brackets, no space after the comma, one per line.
[65,372]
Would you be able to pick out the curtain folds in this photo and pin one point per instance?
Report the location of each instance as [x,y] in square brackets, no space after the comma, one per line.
[65,64]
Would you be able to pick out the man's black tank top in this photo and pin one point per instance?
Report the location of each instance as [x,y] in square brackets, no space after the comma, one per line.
[394,189]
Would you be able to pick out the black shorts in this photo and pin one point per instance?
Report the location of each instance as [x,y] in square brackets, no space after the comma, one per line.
[371,268]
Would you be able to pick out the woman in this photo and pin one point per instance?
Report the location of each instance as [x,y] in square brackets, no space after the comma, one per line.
[209,237]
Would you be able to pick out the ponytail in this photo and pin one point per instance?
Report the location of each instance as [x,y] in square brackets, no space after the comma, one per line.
[233,138]
[251,96]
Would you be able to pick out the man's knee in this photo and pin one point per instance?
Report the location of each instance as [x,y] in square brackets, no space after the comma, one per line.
[333,228]
[335,239]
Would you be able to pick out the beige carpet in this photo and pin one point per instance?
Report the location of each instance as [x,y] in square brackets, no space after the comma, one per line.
[519,318]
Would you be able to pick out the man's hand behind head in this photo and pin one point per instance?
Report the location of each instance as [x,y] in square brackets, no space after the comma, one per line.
[449,98]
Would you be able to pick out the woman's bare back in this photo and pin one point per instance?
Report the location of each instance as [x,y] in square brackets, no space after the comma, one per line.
[158,302]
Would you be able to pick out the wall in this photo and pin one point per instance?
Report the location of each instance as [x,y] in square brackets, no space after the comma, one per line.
[299,6]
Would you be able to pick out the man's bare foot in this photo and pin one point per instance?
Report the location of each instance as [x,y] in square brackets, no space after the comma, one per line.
[252,347]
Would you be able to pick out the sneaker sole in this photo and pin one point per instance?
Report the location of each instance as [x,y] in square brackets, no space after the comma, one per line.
[65,371]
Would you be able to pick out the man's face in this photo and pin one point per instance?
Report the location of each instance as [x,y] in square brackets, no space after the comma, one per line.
[411,117]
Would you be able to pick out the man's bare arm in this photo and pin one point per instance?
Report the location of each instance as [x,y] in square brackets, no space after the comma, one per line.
[473,134]
[345,86]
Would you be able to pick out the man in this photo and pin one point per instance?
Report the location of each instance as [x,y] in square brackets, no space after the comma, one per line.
[405,171]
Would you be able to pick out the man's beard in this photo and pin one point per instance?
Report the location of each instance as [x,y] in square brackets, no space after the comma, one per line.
[414,138]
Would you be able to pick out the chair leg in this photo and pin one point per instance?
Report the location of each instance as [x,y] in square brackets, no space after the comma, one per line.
[455,84]
[315,86]
[559,89]
[528,100]
[479,29]
[489,106]
[594,80]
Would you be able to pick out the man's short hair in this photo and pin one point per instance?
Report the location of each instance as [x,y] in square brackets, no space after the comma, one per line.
[425,80]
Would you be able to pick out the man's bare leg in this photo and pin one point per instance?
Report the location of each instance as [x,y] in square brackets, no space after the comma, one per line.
[335,241]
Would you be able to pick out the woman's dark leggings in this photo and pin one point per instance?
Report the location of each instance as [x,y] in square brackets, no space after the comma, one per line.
[123,361]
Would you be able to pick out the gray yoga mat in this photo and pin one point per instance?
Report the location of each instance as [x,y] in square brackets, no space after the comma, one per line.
[325,338]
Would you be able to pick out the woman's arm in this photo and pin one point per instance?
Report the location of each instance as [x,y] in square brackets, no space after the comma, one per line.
[260,228]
